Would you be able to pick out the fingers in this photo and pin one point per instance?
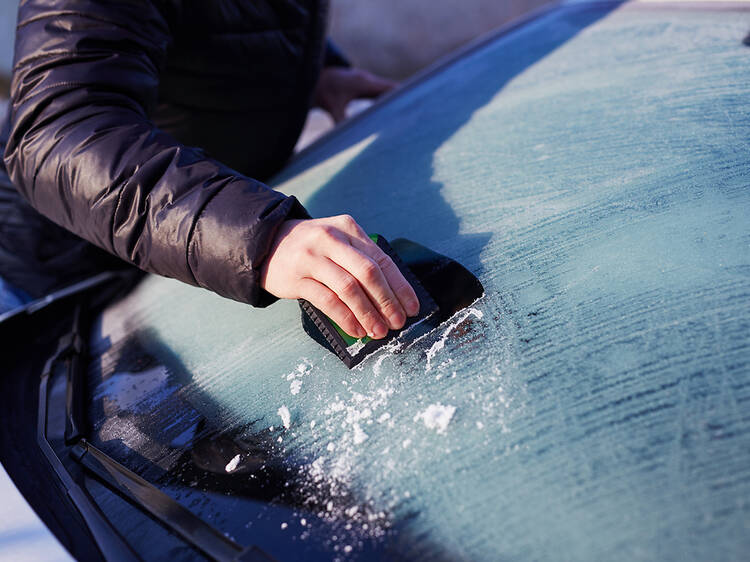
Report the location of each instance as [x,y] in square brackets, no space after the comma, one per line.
[371,86]
[350,290]
[337,110]
[395,284]
[398,283]
[366,272]
[325,300]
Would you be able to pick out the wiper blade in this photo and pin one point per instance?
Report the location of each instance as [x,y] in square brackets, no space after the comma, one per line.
[119,479]
[158,504]
[107,539]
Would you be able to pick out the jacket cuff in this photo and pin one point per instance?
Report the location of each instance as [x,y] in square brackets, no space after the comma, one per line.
[233,235]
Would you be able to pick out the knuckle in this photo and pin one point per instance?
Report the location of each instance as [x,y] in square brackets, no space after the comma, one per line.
[348,222]
[328,301]
[349,286]
[370,317]
[325,232]
[370,271]
[384,261]
[308,252]
[388,305]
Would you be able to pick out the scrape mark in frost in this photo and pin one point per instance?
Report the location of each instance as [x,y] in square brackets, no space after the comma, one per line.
[440,344]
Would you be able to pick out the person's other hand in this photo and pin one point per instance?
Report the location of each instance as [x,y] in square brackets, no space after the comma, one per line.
[337,86]
[332,263]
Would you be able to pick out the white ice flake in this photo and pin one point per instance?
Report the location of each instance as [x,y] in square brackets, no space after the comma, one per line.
[436,417]
[286,417]
[232,465]
[359,435]
[295,386]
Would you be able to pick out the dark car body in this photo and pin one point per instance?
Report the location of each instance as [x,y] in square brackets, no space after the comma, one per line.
[590,165]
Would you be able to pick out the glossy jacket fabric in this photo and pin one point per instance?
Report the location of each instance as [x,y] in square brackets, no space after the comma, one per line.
[109,101]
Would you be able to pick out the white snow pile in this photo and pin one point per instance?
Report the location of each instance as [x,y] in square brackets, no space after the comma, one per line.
[436,417]
[286,417]
[232,465]
[295,377]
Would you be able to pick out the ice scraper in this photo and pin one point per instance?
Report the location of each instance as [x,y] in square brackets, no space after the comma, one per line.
[443,287]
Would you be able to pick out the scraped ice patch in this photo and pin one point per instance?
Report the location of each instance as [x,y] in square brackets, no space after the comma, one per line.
[295,377]
[359,435]
[232,465]
[384,417]
[356,347]
[303,368]
[346,426]
[286,417]
[440,344]
[436,417]
[388,350]
[295,386]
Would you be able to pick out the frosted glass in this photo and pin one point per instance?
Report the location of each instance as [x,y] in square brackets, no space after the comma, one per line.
[592,169]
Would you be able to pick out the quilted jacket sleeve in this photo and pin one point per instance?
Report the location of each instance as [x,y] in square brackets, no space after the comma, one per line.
[84,153]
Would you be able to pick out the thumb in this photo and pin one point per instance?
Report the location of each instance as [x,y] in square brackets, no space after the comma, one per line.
[337,110]
[370,85]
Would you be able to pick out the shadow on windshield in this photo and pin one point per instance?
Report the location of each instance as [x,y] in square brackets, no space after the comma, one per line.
[400,163]
[173,444]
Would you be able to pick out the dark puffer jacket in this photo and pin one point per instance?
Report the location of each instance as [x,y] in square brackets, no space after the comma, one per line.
[108,101]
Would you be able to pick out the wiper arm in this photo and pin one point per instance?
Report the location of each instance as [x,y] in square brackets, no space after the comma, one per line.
[127,484]
[107,539]
[159,505]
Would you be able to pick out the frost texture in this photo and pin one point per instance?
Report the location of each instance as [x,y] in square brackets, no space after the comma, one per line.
[592,169]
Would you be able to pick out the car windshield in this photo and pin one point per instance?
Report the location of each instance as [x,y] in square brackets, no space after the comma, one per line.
[591,168]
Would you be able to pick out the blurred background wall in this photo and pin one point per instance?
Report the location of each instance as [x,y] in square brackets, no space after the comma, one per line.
[394,38]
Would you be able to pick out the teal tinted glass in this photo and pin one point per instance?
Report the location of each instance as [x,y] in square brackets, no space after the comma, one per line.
[592,169]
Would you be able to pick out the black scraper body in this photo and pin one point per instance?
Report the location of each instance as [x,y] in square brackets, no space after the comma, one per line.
[350,350]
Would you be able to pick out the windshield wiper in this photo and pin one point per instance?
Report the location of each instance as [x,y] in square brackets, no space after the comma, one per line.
[119,479]
[108,540]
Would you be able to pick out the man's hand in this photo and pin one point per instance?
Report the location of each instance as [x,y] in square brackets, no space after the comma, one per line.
[337,86]
[332,263]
